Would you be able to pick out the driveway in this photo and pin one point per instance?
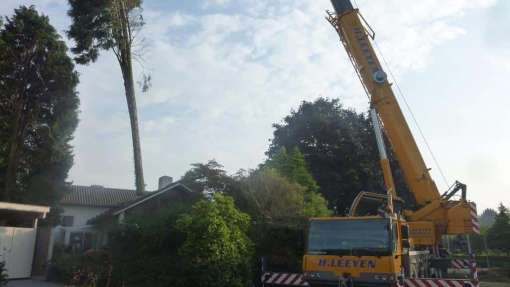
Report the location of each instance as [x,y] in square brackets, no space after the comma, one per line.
[31,283]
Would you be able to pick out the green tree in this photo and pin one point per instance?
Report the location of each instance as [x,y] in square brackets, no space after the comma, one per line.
[499,233]
[279,209]
[38,109]
[487,217]
[216,249]
[111,25]
[208,176]
[274,199]
[340,149]
[293,167]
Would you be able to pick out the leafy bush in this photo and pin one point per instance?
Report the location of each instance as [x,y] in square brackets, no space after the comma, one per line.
[3,274]
[144,249]
[93,268]
[63,267]
[216,251]
[202,245]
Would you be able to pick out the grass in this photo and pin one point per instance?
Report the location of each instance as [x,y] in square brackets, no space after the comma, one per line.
[494,284]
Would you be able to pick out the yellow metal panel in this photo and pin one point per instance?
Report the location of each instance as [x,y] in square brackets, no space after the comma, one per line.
[461,219]
[422,232]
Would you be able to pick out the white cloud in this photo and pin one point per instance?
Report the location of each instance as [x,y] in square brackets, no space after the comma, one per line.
[160,126]
[211,3]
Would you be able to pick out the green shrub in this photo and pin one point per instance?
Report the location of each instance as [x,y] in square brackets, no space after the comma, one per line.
[216,251]
[82,269]
[179,247]
[144,249]
[3,274]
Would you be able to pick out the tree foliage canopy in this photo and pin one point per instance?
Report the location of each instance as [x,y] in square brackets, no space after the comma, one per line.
[207,176]
[102,25]
[38,109]
[292,165]
[273,198]
[498,235]
[339,147]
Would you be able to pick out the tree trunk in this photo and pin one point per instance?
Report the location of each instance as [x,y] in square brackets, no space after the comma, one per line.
[129,86]
[123,54]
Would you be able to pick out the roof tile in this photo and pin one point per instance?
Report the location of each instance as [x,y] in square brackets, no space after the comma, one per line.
[98,196]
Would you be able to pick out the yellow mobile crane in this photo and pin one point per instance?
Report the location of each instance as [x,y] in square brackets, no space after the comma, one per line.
[369,247]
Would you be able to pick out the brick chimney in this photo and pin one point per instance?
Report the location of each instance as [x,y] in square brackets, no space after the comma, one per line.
[164,181]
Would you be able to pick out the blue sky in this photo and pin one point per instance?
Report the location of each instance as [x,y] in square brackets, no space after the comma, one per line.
[224,70]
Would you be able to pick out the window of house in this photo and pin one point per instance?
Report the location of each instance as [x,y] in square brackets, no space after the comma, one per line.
[82,241]
[67,220]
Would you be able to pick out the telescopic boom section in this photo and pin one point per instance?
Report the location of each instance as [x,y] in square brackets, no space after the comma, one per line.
[355,37]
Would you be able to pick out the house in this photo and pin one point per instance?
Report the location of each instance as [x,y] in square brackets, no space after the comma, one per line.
[150,203]
[79,205]
[86,206]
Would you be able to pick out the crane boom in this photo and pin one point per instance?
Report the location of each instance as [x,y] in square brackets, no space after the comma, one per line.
[356,40]
[436,213]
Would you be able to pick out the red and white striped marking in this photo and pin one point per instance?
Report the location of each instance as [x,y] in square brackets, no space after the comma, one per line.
[421,282]
[284,279]
[474,218]
[461,263]
[295,279]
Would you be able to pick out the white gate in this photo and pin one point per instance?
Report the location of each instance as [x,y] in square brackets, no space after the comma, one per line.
[17,250]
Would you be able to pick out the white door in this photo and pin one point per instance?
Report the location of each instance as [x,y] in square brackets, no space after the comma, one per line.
[17,250]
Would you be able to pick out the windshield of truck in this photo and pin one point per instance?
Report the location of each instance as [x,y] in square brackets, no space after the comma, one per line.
[349,237]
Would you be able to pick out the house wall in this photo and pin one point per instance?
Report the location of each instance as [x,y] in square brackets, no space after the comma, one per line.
[81,214]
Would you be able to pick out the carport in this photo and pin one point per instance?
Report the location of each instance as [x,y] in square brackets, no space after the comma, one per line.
[18,228]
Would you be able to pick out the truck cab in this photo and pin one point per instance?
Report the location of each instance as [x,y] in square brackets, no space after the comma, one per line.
[365,250]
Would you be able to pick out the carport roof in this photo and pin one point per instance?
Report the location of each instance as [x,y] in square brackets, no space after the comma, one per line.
[24,207]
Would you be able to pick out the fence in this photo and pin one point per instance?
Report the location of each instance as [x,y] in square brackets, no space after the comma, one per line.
[494,261]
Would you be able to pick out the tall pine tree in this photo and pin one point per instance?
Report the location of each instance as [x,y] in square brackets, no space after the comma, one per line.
[498,235]
[111,25]
[38,109]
